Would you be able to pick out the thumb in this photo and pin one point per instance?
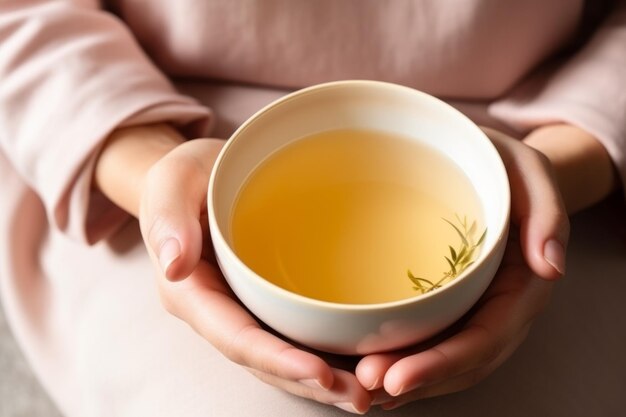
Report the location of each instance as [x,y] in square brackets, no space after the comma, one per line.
[174,238]
[536,206]
[172,207]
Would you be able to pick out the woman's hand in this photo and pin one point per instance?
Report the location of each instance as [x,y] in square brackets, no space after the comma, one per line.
[166,189]
[496,326]
[469,351]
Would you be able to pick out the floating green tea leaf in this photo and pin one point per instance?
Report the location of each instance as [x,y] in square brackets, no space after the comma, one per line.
[460,259]
[453,253]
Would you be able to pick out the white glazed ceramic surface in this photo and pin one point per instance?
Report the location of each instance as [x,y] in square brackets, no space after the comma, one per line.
[353,328]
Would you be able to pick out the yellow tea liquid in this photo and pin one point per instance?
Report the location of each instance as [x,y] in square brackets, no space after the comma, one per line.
[341,215]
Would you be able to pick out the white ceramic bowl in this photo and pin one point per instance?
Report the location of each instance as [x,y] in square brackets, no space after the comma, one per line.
[354,328]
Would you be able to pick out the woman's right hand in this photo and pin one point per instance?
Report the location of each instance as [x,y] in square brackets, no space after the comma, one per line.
[170,202]
[205,302]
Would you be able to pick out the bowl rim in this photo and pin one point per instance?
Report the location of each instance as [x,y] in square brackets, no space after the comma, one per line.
[216,232]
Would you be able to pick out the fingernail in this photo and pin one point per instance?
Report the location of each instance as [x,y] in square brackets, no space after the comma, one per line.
[168,253]
[312,383]
[399,391]
[554,254]
[404,389]
[373,385]
[349,407]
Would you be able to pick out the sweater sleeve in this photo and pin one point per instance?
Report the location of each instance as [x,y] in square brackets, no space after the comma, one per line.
[588,90]
[71,73]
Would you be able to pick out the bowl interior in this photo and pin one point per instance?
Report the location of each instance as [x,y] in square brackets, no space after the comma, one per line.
[364,105]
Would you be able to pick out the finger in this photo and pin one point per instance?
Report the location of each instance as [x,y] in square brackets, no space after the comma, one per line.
[456,384]
[204,302]
[544,225]
[471,348]
[346,393]
[371,370]
[173,204]
[441,383]
[495,328]
[536,206]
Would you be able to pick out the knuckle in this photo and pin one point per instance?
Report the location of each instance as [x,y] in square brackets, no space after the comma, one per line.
[540,157]
[446,364]
[494,346]
[272,365]
[156,225]
[560,223]
[314,394]
[156,174]
[493,353]
[237,347]
[169,302]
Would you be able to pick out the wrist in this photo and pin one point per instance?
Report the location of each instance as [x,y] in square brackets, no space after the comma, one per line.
[126,157]
[583,168]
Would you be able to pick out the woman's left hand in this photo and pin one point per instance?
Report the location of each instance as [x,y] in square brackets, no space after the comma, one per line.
[500,321]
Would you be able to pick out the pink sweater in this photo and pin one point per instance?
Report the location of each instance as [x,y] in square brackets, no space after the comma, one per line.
[70,73]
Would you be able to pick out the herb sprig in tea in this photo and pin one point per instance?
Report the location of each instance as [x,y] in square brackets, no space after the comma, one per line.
[459,260]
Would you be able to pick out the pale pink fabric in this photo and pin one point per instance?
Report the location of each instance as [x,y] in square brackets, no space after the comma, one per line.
[88,317]
[587,90]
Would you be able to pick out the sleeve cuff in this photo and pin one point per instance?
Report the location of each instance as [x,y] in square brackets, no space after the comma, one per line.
[588,90]
[86,214]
